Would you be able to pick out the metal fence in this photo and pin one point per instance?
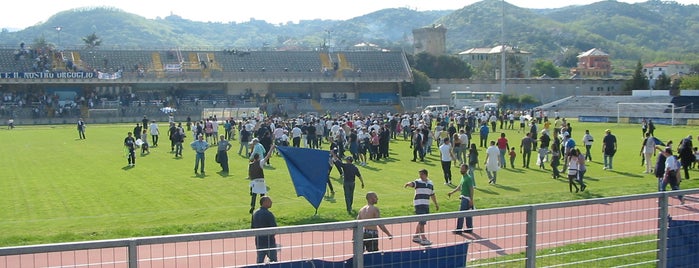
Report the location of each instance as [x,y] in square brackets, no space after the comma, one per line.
[617,231]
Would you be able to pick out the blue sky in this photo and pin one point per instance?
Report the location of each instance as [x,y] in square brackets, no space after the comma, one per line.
[22,14]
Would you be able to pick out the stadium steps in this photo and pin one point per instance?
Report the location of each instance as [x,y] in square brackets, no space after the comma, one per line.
[193,62]
[77,61]
[213,64]
[325,60]
[398,108]
[317,106]
[158,65]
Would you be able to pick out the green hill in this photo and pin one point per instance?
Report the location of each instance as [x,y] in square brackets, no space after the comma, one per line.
[650,31]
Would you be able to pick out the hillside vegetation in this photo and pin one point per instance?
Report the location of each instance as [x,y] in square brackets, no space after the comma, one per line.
[650,31]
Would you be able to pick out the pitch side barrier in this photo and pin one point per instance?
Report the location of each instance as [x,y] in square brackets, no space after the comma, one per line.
[632,230]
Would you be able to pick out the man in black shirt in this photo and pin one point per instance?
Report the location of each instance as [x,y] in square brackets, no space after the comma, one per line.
[349,173]
[130,144]
[263,218]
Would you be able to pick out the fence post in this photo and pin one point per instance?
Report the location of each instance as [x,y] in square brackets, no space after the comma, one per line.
[662,230]
[531,237]
[358,236]
[133,254]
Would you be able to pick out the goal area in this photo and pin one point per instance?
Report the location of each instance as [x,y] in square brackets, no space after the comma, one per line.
[652,110]
[102,113]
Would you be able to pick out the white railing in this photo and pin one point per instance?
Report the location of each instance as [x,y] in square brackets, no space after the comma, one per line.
[520,236]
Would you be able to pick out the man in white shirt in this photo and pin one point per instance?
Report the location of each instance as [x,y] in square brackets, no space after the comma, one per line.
[154,132]
[672,166]
[587,141]
[647,151]
[492,162]
[446,155]
[296,136]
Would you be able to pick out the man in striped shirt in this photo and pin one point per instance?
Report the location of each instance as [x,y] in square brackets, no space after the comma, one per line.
[424,191]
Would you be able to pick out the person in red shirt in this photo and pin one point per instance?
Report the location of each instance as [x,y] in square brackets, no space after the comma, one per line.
[503,146]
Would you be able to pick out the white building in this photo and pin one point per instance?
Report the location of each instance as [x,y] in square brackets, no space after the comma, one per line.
[518,62]
[668,68]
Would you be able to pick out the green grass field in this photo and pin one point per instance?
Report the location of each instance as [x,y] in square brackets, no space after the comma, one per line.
[57,188]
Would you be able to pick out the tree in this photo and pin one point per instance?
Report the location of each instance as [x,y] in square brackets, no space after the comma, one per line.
[444,66]
[690,82]
[638,81]
[92,41]
[544,67]
[663,82]
[40,43]
[569,58]
[421,83]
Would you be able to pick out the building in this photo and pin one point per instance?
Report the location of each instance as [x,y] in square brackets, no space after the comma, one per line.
[668,68]
[431,40]
[486,62]
[593,63]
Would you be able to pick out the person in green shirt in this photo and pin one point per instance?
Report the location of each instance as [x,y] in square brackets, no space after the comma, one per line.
[466,188]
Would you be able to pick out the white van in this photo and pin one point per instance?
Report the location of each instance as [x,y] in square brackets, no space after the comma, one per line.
[435,110]
[490,107]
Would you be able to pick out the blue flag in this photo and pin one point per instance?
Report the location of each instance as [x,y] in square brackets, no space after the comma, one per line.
[309,170]
[658,142]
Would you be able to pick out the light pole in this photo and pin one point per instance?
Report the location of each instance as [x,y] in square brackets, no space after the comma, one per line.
[58,30]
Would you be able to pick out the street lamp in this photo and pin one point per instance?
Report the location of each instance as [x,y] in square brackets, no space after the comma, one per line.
[58,30]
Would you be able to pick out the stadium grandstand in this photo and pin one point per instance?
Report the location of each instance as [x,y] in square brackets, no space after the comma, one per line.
[44,86]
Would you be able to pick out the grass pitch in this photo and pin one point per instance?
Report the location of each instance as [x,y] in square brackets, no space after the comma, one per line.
[57,188]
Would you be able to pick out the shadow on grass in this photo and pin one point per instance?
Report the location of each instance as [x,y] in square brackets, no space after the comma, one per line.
[223,174]
[591,179]
[514,170]
[127,167]
[506,188]
[486,191]
[371,168]
[540,170]
[626,174]
[330,198]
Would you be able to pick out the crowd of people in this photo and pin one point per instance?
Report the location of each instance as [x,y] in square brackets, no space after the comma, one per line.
[360,139]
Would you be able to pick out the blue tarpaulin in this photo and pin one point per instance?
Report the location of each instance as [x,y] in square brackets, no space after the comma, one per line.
[309,170]
[683,244]
[450,256]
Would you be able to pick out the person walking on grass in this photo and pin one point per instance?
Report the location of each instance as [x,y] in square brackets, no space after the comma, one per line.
[371,232]
[466,188]
[574,171]
[154,133]
[446,155]
[672,173]
[200,146]
[492,162]
[587,141]
[130,147]
[81,129]
[424,191]
[350,173]
[222,153]
[608,148]
[648,151]
[256,175]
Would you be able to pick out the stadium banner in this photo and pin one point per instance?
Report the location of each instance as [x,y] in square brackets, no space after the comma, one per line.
[596,119]
[47,75]
[173,67]
[108,76]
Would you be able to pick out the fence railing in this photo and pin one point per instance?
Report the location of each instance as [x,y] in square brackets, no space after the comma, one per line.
[616,231]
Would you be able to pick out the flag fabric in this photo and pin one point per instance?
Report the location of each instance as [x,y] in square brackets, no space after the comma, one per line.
[309,170]
[658,142]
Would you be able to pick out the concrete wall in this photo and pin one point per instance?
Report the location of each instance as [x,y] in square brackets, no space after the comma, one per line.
[545,90]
